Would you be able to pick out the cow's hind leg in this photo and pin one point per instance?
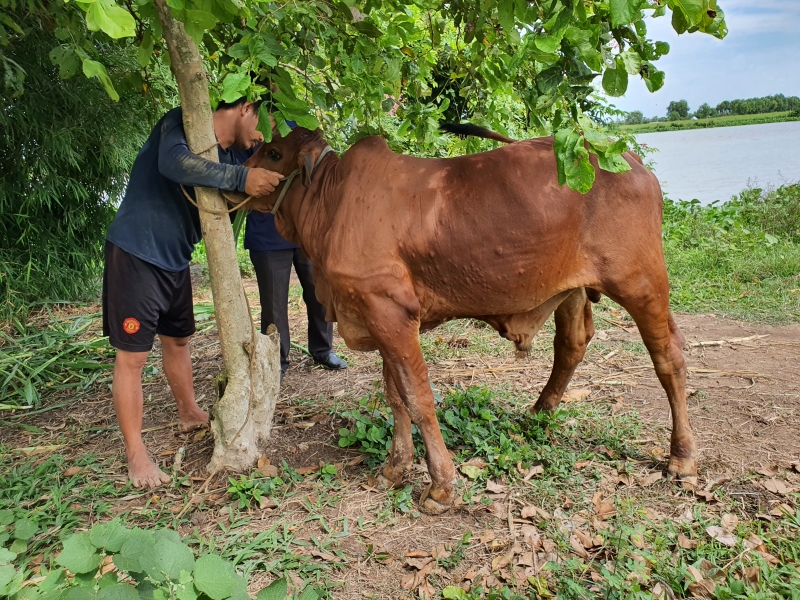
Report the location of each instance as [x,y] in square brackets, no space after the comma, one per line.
[402,454]
[664,342]
[574,331]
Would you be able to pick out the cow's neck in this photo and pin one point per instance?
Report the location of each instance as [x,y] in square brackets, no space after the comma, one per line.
[306,214]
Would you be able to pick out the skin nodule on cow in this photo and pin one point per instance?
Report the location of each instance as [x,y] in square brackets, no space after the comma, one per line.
[401,244]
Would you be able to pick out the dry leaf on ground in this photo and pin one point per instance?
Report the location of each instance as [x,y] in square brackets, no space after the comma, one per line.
[637,539]
[721,535]
[582,464]
[577,547]
[324,556]
[533,471]
[686,543]
[729,522]
[650,479]
[72,471]
[576,395]
[768,471]
[776,486]
[496,488]
[754,543]
[416,554]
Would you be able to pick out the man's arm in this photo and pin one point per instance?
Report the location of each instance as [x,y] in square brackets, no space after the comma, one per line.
[178,163]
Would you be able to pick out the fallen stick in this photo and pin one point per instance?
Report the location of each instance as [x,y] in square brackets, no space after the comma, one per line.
[728,341]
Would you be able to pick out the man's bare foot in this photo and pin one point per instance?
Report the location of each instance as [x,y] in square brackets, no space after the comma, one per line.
[144,473]
[194,419]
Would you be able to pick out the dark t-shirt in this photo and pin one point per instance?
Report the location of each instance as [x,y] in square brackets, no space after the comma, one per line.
[261,235]
[155,221]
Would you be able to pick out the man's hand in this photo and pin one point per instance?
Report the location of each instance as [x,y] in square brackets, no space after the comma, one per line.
[261,182]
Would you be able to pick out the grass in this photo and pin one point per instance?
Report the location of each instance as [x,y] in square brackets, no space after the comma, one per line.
[731,120]
[741,258]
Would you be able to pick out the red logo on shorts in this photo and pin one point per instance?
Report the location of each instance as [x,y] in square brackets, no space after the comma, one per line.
[130,325]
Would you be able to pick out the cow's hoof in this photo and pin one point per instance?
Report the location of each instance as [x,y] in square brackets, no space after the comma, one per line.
[384,483]
[681,468]
[435,501]
[543,407]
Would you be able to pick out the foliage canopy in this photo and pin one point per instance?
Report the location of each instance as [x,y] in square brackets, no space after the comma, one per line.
[400,66]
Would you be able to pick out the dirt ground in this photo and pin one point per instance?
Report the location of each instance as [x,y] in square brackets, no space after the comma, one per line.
[745,410]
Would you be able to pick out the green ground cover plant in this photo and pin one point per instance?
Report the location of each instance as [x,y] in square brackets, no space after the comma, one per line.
[740,258]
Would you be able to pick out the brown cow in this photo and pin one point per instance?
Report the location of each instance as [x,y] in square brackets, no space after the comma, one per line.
[401,244]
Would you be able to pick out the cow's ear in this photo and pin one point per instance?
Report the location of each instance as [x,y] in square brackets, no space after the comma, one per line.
[307,167]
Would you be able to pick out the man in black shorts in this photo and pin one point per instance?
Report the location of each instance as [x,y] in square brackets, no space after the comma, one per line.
[146,285]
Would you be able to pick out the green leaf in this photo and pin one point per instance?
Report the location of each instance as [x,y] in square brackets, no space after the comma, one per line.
[66,59]
[119,591]
[54,579]
[145,50]
[471,471]
[6,556]
[177,4]
[79,593]
[662,48]
[280,123]
[615,81]
[549,79]
[625,11]
[274,591]
[234,86]
[613,163]
[632,62]
[692,10]
[264,123]
[109,536]
[6,517]
[505,14]
[92,68]
[308,121]
[310,593]
[564,139]
[599,141]
[106,16]
[368,28]
[135,552]
[548,43]
[213,576]
[25,529]
[19,546]
[79,554]
[655,79]
[169,560]
[7,573]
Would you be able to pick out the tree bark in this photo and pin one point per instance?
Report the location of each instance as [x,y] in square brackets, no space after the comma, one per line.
[242,417]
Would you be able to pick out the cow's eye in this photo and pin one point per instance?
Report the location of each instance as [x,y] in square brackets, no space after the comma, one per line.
[274,155]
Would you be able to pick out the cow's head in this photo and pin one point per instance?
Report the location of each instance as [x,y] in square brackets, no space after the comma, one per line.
[298,150]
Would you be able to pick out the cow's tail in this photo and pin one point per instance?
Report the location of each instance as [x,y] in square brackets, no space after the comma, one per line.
[466,129]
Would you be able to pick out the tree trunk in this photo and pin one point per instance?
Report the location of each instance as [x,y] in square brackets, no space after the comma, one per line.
[242,418]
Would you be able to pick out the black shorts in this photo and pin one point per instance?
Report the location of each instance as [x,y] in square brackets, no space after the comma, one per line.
[141,300]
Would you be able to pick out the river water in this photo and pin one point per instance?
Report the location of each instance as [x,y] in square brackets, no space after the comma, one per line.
[714,164]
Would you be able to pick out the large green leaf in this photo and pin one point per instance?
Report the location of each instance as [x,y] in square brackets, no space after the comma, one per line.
[79,554]
[169,559]
[654,80]
[692,10]
[264,123]
[632,62]
[613,162]
[136,551]
[234,86]
[274,591]
[109,536]
[92,68]
[615,81]
[119,591]
[106,16]
[213,576]
[25,529]
[625,11]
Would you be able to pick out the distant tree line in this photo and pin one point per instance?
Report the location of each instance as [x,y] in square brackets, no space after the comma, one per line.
[679,109]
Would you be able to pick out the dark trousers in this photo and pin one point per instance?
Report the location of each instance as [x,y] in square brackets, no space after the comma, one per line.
[273,270]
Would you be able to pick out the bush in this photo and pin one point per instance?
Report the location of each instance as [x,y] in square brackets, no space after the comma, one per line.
[67,150]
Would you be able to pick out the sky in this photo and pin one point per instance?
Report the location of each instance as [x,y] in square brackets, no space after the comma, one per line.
[760,56]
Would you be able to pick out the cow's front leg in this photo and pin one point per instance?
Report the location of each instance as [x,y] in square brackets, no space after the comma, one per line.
[395,328]
[402,453]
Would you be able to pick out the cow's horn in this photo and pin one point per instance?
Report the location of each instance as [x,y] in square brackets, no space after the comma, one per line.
[308,162]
